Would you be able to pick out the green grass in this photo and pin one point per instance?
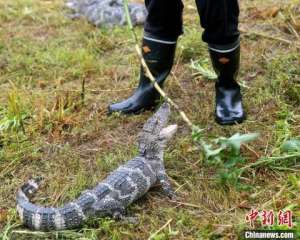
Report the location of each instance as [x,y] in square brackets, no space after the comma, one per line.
[44,57]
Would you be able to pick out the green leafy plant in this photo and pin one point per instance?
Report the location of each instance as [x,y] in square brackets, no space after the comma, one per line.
[225,154]
[203,69]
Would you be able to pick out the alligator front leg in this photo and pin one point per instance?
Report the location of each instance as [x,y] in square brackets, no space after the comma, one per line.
[163,179]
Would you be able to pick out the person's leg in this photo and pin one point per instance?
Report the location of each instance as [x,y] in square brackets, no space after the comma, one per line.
[219,18]
[162,28]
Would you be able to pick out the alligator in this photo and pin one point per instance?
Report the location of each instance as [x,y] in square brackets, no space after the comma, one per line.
[108,13]
[116,192]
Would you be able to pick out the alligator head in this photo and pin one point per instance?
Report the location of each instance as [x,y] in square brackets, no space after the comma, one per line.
[156,134]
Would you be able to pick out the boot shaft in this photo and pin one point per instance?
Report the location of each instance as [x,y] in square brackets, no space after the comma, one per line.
[226,66]
[159,58]
[158,50]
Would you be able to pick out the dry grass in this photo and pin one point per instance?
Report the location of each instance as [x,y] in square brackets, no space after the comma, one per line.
[43,59]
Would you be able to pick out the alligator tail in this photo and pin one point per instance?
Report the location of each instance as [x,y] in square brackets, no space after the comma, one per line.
[46,218]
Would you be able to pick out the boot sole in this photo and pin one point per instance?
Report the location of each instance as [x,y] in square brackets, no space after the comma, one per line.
[137,112]
[230,123]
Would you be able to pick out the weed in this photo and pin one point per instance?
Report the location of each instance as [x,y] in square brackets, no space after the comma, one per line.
[202,69]
[226,156]
[13,117]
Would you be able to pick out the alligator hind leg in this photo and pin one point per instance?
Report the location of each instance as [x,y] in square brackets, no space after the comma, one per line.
[113,208]
[120,213]
[109,207]
[163,179]
[127,219]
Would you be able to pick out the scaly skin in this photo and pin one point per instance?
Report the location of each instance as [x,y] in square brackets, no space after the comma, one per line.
[107,13]
[113,195]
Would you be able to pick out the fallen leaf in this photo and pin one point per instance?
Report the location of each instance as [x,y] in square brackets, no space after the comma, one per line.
[3,215]
[244,205]
[264,13]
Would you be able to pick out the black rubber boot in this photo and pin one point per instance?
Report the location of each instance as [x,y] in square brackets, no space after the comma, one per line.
[159,58]
[229,107]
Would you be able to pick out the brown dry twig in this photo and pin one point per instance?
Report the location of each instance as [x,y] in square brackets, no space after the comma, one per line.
[159,230]
[264,35]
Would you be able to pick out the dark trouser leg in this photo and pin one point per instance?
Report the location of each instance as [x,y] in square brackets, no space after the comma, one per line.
[162,28]
[219,18]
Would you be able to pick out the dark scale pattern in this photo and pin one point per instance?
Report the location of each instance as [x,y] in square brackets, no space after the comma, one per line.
[141,163]
[47,219]
[140,179]
[124,187]
[28,214]
[85,201]
[136,163]
[71,216]
[101,191]
[116,178]
[141,183]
